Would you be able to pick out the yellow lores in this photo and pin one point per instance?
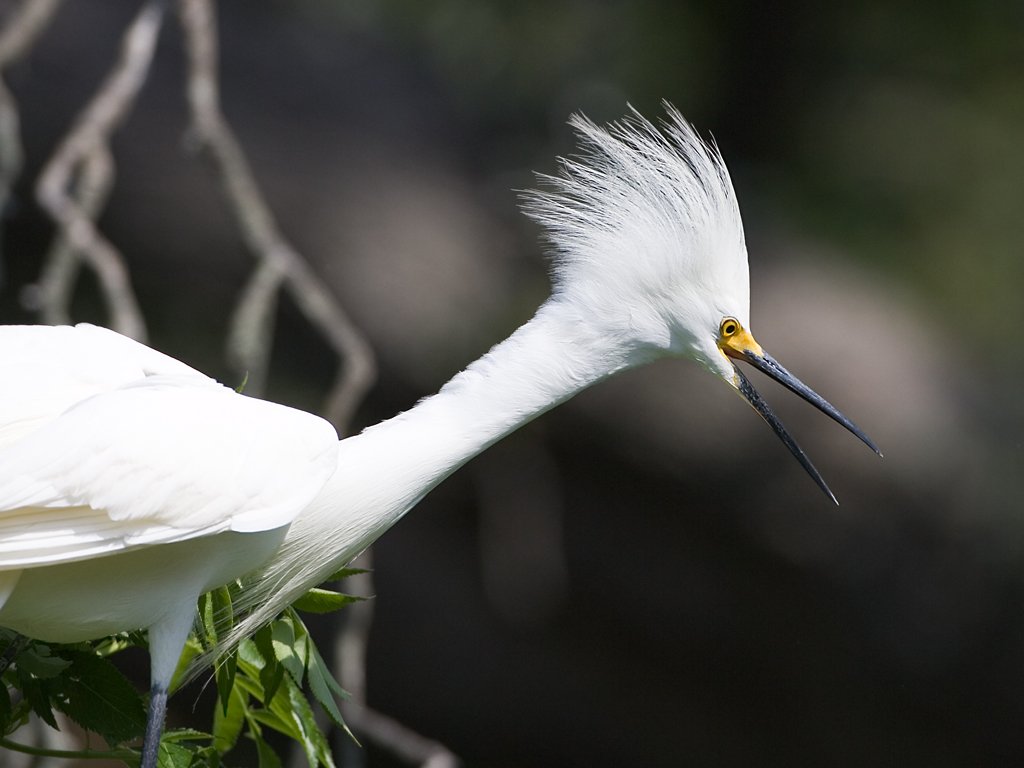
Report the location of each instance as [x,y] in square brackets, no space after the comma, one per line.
[735,340]
[736,343]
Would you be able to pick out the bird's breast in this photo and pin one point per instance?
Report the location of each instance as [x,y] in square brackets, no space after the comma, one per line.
[88,599]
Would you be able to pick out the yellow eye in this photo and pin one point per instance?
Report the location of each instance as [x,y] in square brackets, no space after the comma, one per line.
[729,327]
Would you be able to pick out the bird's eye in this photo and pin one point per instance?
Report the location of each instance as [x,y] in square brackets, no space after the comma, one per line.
[729,327]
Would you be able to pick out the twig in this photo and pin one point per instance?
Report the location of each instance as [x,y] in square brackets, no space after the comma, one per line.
[66,754]
[402,742]
[52,293]
[252,327]
[20,33]
[89,136]
[26,24]
[280,264]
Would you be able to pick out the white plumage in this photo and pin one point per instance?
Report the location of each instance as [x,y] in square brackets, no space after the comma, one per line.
[117,448]
[130,483]
[107,463]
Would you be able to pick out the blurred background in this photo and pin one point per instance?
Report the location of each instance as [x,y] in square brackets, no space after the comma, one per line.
[644,576]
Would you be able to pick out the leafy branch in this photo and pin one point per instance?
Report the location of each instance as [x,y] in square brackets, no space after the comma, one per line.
[272,681]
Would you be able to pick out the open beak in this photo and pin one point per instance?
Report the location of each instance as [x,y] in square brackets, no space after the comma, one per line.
[740,345]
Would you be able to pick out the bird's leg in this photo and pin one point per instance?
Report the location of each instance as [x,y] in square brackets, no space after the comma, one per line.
[166,640]
[154,726]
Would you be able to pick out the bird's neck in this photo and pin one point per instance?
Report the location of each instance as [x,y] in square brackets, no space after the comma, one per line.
[385,470]
[545,362]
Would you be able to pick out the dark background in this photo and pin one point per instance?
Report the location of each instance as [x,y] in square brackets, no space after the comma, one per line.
[644,576]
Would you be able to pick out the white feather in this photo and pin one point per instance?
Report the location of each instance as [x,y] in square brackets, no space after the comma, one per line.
[646,233]
[131,448]
[46,370]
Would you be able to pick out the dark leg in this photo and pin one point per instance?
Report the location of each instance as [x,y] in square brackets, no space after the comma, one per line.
[154,726]
[166,639]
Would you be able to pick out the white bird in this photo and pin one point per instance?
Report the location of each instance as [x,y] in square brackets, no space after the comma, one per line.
[131,483]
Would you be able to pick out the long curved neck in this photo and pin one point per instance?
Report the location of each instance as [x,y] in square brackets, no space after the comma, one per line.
[385,470]
[545,362]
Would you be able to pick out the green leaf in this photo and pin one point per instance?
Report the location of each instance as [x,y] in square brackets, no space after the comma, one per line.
[206,757]
[344,573]
[227,668]
[227,723]
[272,671]
[312,739]
[186,734]
[108,646]
[12,644]
[95,694]
[248,681]
[223,613]
[267,757]
[324,601]
[39,662]
[270,678]
[172,755]
[325,688]
[7,637]
[284,714]
[262,643]
[189,654]
[38,697]
[285,725]
[265,754]
[249,658]
[218,619]
[289,649]
[204,610]
[20,711]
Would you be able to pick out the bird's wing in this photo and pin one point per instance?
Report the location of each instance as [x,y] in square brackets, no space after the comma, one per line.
[47,369]
[163,458]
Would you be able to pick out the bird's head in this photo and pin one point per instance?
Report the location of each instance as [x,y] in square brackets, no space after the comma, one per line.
[648,243]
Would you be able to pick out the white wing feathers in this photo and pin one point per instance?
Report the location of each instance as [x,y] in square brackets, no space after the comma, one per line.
[151,452]
[45,370]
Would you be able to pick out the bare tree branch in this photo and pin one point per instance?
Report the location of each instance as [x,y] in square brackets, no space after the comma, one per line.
[399,740]
[52,293]
[280,264]
[85,150]
[17,37]
[26,24]
[250,337]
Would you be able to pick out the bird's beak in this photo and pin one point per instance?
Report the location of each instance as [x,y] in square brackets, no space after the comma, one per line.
[740,345]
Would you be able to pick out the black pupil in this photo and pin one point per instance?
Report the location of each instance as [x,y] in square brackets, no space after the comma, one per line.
[730,329]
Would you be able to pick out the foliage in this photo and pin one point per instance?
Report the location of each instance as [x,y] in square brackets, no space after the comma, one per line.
[269,682]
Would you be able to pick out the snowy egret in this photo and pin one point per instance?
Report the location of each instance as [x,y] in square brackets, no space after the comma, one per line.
[131,483]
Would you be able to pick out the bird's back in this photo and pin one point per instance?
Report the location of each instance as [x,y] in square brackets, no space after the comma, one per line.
[48,369]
